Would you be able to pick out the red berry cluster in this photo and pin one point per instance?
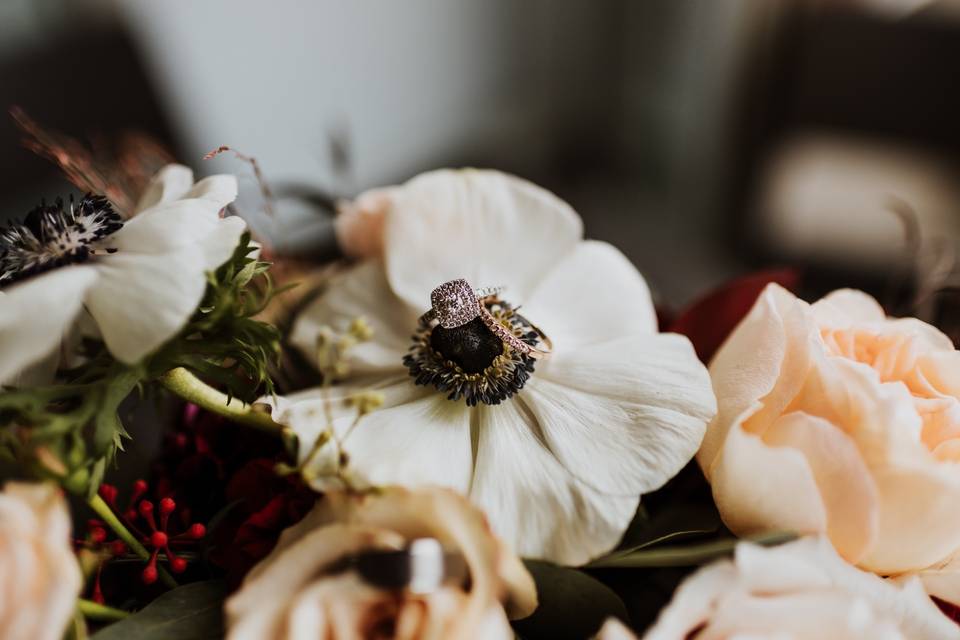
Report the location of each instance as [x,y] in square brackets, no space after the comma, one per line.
[141,511]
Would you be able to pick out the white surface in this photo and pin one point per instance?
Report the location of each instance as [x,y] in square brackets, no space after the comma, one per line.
[412,82]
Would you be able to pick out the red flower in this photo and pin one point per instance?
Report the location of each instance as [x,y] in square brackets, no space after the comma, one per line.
[709,320]
[266,504]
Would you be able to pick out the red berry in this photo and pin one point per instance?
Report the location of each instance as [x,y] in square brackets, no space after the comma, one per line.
[158,539]
[197,531]
[118,548]
[108,492]
[146,507]
[178,565]
[140,487]
[98,535]
[167,505]
[149,574]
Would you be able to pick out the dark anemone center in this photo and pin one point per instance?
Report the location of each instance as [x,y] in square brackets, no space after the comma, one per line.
[470,362]
[472,347]
[56,235]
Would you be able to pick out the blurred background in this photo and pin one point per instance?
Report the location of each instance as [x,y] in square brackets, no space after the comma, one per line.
[704,138]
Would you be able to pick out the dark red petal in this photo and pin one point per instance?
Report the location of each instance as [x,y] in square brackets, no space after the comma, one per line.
[709,320]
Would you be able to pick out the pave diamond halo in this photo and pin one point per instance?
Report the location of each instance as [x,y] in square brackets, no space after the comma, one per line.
[454,303]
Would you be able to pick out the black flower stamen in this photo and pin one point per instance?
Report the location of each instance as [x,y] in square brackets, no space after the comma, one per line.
[52,236]
[469,361]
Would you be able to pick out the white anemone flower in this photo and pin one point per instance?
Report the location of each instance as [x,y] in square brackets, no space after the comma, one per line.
[555,451]
[139,279]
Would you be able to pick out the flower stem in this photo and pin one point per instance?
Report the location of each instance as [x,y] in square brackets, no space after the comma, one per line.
[95,611]
[106,513]
[193,389]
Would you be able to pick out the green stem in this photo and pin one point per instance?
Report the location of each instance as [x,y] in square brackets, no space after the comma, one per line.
[106,513]
[193,389]
[96,611]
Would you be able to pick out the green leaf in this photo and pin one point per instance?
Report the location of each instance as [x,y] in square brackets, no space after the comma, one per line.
[107,426]
[684,556]
[572,604]
[680,521]
[190,612]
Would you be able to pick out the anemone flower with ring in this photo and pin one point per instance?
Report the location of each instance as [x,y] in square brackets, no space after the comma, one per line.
[555,451]
[140,279]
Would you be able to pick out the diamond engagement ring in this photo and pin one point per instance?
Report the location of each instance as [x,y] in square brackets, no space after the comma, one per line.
[456,303]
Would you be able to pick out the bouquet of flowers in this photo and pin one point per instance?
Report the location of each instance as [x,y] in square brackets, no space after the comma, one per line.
[473,425]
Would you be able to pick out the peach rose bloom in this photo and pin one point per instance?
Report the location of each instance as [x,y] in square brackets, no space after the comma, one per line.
[834,418]
[293,594]
[39,575]
[359,224]
[798,591]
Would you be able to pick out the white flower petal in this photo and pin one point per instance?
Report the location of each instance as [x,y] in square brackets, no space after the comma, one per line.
[141,301]
[595,294]
[625,415]
[218,246]
[416,437]
[178,223]
[801,589]
[488,227]
[532,501]
[360,292]
[36,315]
[170,183]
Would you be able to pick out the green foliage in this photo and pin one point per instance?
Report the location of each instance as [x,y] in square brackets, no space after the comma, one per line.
[572,604]
[190,612]
[223,342]
[71,431]
[684,555]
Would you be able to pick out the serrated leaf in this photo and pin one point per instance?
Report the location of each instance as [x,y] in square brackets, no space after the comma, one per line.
[572,604]
[190,612]
[106,422]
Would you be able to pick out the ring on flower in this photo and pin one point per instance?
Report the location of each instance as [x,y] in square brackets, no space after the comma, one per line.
[456,303]
[422,567]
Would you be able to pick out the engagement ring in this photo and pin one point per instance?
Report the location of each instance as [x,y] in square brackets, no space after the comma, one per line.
[456,303]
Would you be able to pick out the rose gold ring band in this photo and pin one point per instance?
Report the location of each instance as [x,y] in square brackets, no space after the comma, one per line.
[456,303]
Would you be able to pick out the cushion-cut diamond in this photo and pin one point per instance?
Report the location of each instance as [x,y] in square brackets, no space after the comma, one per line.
[454,303]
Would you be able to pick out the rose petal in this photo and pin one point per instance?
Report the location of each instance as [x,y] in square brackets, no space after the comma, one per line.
[919,519]
[711,319]
[941,580]
[802,589]
[488,227]
[445,515]
[846,487]
[845,307]
[767,356]
[359,224]
[759,488]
